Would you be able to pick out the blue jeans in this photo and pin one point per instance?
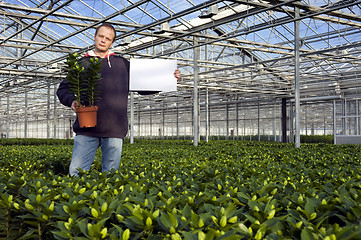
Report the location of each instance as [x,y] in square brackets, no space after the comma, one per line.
[84,150]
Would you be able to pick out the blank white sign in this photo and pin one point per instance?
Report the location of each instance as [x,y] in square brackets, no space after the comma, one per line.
[152,75]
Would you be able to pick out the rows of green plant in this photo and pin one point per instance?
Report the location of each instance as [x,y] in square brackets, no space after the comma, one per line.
[39,141]
[34,141]
[174,190]
[303,138]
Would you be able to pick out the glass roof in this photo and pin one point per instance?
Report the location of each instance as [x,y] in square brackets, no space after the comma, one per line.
[246,48]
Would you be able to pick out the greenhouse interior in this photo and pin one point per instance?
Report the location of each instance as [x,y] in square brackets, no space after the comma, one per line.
[250,69]
[259,138]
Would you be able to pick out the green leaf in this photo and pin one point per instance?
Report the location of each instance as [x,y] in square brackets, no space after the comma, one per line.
[61,235]
[311,205]
[136,221]
[165,221]
[357,211]
[306,234]
[229,235]
[187,211]
[190,235]
[83,226]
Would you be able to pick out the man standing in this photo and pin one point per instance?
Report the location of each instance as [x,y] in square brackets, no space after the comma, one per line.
[112,121]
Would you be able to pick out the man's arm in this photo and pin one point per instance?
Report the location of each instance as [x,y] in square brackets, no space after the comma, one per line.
[63,94]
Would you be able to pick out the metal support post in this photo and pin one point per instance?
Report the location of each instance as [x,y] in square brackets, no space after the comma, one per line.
[237,120]
[227,121]
[334,122]
[284,120]
[177,120]
[131,117]
[163,123]
[26,115]
[54,113]
[207,119]
[258,121]
[151,122]
[195,95]
[291,125]
[297,78]
[7,116]
[48,114]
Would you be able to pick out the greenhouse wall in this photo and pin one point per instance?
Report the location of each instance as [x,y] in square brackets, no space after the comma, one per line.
[61,129]
[235,120]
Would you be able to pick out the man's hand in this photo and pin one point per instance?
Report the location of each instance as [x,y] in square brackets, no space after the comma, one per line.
[177,74]
[74,105]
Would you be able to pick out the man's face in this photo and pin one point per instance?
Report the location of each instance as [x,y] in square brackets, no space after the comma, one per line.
[104,39]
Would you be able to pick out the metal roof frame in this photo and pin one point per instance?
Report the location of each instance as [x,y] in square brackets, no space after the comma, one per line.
[246,50]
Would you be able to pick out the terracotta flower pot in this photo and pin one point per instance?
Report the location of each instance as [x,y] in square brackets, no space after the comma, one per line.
[87,116]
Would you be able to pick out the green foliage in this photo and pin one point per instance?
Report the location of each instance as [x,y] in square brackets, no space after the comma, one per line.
[93,76]
[34,141]
[173,190]
[74,71]
[317,138]
[83,81]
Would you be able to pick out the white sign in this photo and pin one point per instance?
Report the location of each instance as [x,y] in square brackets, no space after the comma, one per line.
[152,75]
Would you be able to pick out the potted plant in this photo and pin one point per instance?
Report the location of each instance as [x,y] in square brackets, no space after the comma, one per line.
[83,80]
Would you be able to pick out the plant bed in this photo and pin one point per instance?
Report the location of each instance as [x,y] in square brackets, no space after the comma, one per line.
[173,190]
